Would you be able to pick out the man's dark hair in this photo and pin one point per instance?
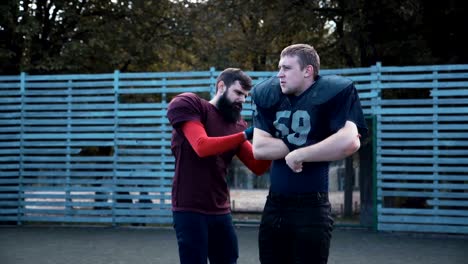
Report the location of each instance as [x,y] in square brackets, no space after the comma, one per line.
[231,75]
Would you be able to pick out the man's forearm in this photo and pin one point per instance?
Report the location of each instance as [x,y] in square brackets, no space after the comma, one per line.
[330,149]
[336,147]
[266,147]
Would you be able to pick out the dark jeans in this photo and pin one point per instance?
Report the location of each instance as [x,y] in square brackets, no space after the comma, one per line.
[295,229]
[201,237]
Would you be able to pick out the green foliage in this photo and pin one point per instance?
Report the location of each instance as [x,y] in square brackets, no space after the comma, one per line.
[89,36]
[93,36]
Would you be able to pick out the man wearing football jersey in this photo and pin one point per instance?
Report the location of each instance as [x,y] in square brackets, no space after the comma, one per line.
[302,122]
[206,135]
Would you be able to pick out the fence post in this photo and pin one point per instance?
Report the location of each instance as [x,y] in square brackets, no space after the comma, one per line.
[212,82]
[116,149]
[435,150]
[376,106]
[21,157]
[68,151]
[163,140]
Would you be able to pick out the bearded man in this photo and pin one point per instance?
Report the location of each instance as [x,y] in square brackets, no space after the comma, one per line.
[206,135]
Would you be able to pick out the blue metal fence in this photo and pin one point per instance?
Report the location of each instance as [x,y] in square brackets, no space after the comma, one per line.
[96,148]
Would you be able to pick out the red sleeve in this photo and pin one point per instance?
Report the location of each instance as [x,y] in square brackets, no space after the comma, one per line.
[245,154]
[205,146]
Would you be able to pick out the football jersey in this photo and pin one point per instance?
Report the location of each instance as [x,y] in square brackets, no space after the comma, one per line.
[304,120]
[199,184]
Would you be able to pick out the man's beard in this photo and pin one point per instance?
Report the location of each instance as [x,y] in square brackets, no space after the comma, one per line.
[230,111]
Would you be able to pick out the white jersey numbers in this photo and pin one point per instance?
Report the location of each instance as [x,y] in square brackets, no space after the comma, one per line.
[300,126]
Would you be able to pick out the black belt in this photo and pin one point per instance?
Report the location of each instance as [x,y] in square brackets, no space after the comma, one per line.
[298,197]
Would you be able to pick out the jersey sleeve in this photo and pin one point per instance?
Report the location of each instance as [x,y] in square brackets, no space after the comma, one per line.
[346,106]
[265,97]
[263,118]
[184,107]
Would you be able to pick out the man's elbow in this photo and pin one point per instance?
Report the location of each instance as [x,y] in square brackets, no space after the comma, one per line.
[202,152]
[352,147]
[263,169]
[258,154]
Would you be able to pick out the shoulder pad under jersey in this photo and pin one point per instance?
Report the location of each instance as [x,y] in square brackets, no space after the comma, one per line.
[267,93]
[330,85]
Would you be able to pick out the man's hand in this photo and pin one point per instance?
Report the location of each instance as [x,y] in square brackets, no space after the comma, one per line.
[249,133]
[294,162]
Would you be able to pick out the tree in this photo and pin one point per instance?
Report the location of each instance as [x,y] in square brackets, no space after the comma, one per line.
[251,34]
[59,36]
[398,32]
[92,36]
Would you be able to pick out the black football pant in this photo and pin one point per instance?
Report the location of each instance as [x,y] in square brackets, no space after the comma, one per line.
[295,229]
